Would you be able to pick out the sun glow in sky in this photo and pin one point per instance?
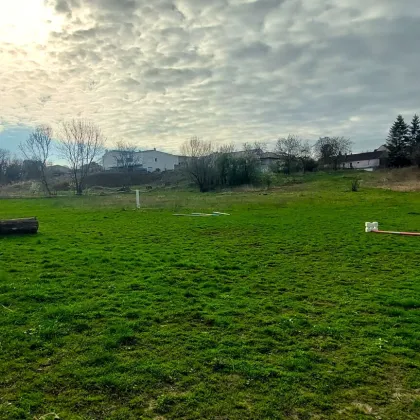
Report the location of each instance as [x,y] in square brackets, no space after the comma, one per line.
[26,22]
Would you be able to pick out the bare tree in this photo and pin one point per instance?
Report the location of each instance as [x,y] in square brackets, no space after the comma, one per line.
[238,168]
[343,148]
[325,150]
[4,163]
[330,150]
[37,148]
[249,164]
[258,147]
[227,148]
[225,167]
[200,162]
[126,159]
[289,149]
[306,159]
[81,143]
[224,162]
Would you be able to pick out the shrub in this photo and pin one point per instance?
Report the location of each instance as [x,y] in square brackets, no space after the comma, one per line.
[355,184]
[267,179]
[61,186]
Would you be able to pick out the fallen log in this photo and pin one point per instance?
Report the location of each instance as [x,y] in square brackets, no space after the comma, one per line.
[18,226]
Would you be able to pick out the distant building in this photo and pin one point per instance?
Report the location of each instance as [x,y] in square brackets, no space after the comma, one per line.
[148,160]
[367,161]
[58,170]
[269,160]
[383,148]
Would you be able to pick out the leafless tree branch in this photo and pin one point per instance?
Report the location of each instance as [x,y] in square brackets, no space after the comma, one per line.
[4,163]
[37,148]
[126,157]
[329,150]
[200,162]
[81,143]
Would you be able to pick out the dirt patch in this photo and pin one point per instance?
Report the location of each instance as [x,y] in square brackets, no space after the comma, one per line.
[405,179]
[404,187]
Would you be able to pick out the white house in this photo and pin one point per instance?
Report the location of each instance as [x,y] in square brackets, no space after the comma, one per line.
[367,161]
[154,160]
[148,160]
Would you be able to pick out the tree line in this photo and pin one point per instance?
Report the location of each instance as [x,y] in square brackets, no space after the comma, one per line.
[296,154]
[13,169]
[403,143]
[79,142]
[209,167]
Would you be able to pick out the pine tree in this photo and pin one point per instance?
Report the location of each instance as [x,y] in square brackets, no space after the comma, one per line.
[398,144]
[415,130]
[415,139]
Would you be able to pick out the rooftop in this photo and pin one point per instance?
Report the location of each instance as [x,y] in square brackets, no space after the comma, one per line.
[363,156]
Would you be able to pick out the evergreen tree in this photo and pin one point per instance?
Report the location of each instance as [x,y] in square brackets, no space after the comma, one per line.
[415,131]
[415,139]
[398,144]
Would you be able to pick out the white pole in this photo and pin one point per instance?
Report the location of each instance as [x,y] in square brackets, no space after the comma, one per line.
[138,198]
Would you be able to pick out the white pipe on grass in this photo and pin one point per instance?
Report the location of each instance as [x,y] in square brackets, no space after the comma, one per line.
[138,199]
[373,227]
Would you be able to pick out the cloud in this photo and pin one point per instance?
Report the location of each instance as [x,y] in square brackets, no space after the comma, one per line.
[156,73]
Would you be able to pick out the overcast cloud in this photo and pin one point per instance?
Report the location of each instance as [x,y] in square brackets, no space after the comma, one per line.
[158,72]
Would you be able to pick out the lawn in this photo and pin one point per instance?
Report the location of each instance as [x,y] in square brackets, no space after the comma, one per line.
[284,310]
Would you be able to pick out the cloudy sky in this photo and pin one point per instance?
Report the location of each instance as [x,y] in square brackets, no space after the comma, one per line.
[156,72]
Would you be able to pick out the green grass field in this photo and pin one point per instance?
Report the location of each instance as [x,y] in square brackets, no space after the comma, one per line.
[284,310]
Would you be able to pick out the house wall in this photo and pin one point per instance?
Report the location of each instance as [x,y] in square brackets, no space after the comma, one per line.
[153,159]
[149,160]
[109,160]
[268,163]
[363,164]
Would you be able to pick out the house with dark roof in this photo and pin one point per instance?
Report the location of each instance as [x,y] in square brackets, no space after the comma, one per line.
[367,161]
[268,160]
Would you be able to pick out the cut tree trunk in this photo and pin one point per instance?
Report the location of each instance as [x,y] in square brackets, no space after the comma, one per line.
[17,226]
